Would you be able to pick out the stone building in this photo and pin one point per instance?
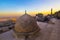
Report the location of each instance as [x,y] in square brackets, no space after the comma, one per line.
[47,32]
[25,28]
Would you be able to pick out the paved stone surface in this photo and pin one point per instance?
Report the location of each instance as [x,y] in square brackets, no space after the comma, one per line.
[48,32]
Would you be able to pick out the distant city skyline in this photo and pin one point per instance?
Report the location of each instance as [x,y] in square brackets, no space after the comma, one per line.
[16,7]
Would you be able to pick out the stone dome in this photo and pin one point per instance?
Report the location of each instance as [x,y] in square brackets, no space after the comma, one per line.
[26,24]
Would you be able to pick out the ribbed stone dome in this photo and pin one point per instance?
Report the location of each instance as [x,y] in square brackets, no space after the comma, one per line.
[26,24]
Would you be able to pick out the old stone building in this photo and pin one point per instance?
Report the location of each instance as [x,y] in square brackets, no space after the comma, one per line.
[26,26]
[26,29]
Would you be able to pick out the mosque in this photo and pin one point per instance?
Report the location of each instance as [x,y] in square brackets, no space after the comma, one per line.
[26,28]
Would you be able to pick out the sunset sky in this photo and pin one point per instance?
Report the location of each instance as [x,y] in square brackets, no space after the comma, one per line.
[17,7]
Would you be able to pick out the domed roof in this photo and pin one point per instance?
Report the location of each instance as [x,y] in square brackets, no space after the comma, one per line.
[26,24]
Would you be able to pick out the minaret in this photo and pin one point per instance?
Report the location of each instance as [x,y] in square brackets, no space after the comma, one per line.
[25,12]
[51,11]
